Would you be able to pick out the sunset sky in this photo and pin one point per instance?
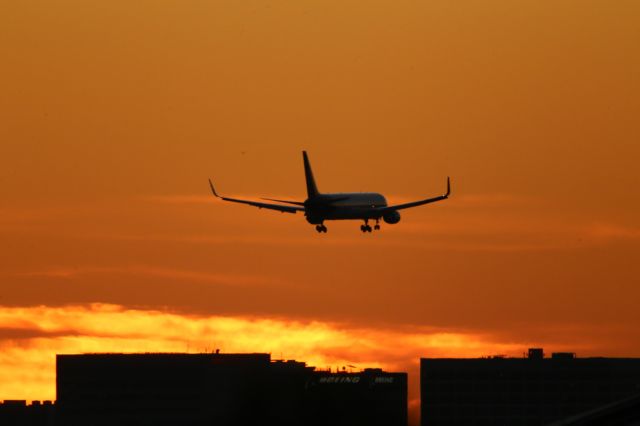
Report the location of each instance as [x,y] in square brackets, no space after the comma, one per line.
[113,114]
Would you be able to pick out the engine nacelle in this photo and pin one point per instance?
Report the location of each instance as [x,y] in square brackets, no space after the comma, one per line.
[392,217]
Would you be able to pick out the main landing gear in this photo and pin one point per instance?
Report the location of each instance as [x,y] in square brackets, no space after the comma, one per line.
[321,228]
[367,228]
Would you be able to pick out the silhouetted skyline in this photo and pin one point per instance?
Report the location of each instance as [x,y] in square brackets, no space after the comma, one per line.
[250,388]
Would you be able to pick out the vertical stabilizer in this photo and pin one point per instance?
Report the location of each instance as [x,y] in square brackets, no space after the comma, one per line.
[312,189]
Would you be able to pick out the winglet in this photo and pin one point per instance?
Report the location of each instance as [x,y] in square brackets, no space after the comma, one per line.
[448,187]
[213,189]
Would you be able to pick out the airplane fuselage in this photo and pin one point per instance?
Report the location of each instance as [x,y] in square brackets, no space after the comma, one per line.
[344,206]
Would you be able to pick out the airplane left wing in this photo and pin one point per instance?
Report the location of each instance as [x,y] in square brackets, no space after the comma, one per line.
[277,207]
[418,203]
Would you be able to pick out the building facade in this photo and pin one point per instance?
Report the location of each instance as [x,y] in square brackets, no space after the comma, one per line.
[532,390]
[221,389]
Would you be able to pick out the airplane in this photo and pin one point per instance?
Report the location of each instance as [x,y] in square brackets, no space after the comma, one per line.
[320,207]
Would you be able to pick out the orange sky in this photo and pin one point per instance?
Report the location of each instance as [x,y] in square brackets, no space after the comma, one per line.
[113,114]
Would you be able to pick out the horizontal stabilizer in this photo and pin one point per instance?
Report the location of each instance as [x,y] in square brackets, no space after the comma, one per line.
[297,203]
[269,206]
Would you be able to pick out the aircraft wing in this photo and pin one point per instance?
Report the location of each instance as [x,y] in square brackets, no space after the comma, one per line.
[277,207]
[418,203]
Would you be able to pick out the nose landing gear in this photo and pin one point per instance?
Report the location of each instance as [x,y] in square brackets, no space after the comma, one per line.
[321,229]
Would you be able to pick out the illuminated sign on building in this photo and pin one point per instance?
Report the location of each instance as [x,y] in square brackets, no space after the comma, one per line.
[340,379]
[354,379]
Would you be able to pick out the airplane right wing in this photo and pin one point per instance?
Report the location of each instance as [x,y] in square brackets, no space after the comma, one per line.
[277,207]
[418,203]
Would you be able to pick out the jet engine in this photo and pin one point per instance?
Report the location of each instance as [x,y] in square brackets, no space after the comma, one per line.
[392,217]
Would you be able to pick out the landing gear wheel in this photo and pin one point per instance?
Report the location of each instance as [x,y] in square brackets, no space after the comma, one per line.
[377,227]
[365,228]
[321,228]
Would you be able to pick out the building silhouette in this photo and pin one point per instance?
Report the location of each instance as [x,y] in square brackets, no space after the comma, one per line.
[251,389]
[18,412]
[221,389]
[534,390]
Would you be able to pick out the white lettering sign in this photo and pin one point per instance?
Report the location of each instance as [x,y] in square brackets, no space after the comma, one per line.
[339,379]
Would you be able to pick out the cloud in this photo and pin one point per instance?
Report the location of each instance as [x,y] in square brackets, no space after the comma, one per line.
[207,199]
[180,199]
[31,336]
[491,222]
[609,231]
[482,233]
[467,222]
[154,271]
[16,333]
[492,200]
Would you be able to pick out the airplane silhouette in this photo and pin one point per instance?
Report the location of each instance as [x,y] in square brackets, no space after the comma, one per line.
[319,207]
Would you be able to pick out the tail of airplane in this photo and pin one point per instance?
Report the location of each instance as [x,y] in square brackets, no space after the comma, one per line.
[312,189]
